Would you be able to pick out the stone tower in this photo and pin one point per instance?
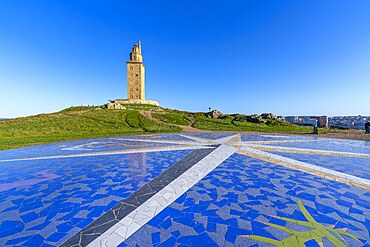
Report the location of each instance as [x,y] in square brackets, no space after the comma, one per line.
[136,74]
[135,82]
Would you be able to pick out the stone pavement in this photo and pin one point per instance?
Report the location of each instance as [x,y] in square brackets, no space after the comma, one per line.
[188,189]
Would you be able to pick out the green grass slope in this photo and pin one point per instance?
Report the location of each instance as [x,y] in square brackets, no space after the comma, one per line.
[231,124]
[88,122]
[173,118]
[75,123]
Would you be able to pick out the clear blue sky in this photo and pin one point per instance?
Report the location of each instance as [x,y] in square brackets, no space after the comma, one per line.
[288,57]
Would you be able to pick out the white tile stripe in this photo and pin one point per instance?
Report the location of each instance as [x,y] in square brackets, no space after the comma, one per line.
[308,166]
[153,206]
[81,147]
[160,141]
[306,150]
[274,142]
[231,139]
[275,136]
[210,141]
[197,139]
[194,140]
[159,149]
[351,145]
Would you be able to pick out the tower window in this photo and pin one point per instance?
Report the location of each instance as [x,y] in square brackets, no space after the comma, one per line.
[131,68]
[137,75]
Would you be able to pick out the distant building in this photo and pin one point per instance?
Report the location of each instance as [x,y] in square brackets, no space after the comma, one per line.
[321,121]
[350,122]
[291,119]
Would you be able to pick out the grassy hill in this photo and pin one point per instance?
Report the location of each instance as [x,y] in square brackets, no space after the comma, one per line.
[87,122]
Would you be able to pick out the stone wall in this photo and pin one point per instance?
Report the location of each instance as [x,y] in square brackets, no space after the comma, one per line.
[129,101]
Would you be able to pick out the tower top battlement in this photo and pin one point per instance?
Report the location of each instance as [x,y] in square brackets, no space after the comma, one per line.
[135,55]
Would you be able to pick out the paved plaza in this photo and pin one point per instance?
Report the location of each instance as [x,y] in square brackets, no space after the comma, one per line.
[187,189]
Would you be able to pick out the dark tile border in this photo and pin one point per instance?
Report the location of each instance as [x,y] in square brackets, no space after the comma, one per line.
[113,216]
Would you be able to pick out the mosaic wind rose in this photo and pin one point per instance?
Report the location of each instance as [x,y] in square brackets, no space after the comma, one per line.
[298,238]
[191,189]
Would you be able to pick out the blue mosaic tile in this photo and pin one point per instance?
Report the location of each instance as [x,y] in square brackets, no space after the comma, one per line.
[88,146]
[236,213]
[17,241]
[359,167]
[45,202]
[55,237]
[66,195]
[328,144]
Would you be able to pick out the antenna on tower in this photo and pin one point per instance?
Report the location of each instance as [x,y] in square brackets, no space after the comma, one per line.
[139,45]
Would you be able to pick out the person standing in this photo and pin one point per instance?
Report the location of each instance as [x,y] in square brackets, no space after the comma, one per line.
[367,126]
